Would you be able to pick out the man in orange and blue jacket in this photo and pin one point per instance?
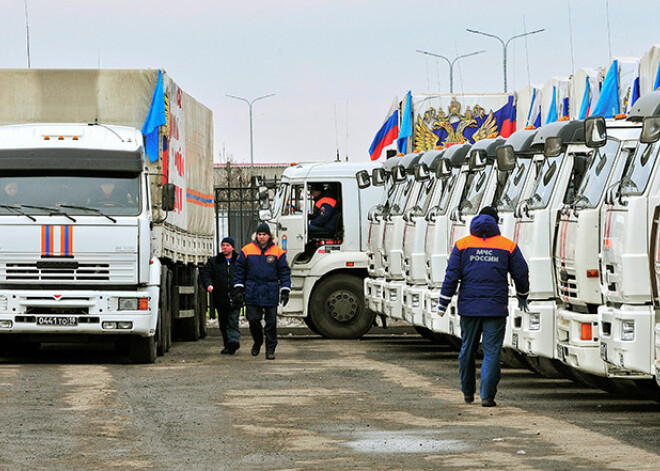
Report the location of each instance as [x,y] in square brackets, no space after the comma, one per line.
[324,216]
[262,280]
[481,262]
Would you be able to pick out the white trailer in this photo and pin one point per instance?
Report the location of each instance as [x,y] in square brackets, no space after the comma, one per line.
[73,267]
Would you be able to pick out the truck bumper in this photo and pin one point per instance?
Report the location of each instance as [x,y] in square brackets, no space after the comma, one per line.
[533,332]
[393,305]
[578,343]
[627,337]
[373,293]
[77,312]
[413,307]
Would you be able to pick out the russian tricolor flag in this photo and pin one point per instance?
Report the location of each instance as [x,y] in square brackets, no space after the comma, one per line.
[508,117]
[387,133]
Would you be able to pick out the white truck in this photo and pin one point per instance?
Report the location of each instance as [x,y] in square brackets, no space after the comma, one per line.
[628,319]
[98,241]
[326,288]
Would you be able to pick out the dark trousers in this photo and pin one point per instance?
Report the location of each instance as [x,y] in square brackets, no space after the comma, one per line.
[228,323]
[472,329]
[254,315]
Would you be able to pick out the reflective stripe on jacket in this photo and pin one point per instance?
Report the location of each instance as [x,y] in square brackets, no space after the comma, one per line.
[481,263]
[324,211]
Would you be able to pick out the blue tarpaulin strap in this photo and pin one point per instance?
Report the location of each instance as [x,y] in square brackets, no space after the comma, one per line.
[155,119]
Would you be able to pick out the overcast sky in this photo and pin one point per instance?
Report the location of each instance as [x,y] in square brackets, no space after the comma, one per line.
[334,65]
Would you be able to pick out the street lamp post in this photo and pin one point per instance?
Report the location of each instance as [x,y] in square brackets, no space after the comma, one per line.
[504,44]
[250,103]
[451,64]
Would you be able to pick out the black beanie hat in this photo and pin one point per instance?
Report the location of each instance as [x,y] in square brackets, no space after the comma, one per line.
[490,211]
[229,240]
[263,227]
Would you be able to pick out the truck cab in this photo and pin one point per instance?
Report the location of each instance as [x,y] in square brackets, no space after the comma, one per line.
[551,184]
[392,253]
[627,320]
[578,238]
[380,177]
[328,268]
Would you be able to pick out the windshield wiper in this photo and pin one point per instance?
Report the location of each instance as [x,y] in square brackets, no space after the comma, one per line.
[17,210]
[92,210]
[52,210]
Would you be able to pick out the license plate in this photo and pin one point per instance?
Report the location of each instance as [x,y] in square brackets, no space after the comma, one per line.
[514,341]
[603,351]
[560,353]
[57,321]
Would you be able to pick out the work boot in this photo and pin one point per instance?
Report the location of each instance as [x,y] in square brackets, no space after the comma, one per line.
[469,398]
[256,348]
[225,351]
[488,402]
[270,355]
[233,347]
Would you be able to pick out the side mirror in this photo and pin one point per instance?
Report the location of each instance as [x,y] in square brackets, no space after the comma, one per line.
[650,130]
[256,181]
[264,201]
[363,180]
[506,158]
[553,146]
[378,176]
[422,172]
[478,159]
[443,170]
[169,196]
[265,214]
[399,174]
[595,132]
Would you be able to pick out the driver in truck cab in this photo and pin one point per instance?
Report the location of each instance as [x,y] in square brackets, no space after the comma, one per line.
[326,210]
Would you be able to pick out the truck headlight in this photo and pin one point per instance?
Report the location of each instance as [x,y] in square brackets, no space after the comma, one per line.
[393,296]
[628,330]
[415,300]
[133,304]
[534,321]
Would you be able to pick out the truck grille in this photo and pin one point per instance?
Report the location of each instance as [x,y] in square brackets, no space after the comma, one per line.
[74,272]
[567,282]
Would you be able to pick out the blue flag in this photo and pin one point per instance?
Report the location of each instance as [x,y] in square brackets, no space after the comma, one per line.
[608,103]
[656,84]
[584,108]
[552,112]
[155,118]
[406,125]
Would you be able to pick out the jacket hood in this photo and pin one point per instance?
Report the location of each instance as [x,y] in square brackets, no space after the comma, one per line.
[484,226]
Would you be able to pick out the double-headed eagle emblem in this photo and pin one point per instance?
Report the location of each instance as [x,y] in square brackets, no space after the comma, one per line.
[454,124]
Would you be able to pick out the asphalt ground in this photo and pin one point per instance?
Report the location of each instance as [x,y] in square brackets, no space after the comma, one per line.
[388,401]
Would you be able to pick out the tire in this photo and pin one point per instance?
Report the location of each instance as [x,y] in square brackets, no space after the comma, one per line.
[142,350]
[549,368]
[201,305]
[431,336]
[513,359]
[189,327]
[455,343]
[310,325]
[164,313]
[337,308]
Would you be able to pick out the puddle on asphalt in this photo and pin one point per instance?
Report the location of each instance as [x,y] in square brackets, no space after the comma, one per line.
[422,441]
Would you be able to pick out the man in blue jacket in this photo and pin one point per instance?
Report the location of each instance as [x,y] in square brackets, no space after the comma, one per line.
[262,279]
[481,262]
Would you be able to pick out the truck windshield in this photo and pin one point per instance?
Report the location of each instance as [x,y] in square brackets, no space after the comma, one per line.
[512,188]
[545,176]
[474,190]
[111,195]
[424,194]
[638,173]
[278,201]
[443,204]
[600,163]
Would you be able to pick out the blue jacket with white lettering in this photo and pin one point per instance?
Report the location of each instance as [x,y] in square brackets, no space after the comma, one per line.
[481,262]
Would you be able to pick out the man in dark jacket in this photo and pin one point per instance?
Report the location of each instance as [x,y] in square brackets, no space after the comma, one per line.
[481,263]
[218,279]
[263,279]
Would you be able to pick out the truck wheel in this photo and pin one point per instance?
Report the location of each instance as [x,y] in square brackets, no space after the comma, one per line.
[189,328]
[201,305]
[310,325]
[163,314]
[337,308]
[142,349]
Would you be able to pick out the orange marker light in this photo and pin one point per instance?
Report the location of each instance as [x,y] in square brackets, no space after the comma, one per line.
[350,264]
[592,273]
[585,333]
[143,304]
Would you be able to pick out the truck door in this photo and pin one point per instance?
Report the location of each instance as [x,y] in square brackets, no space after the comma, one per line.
[291,225]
